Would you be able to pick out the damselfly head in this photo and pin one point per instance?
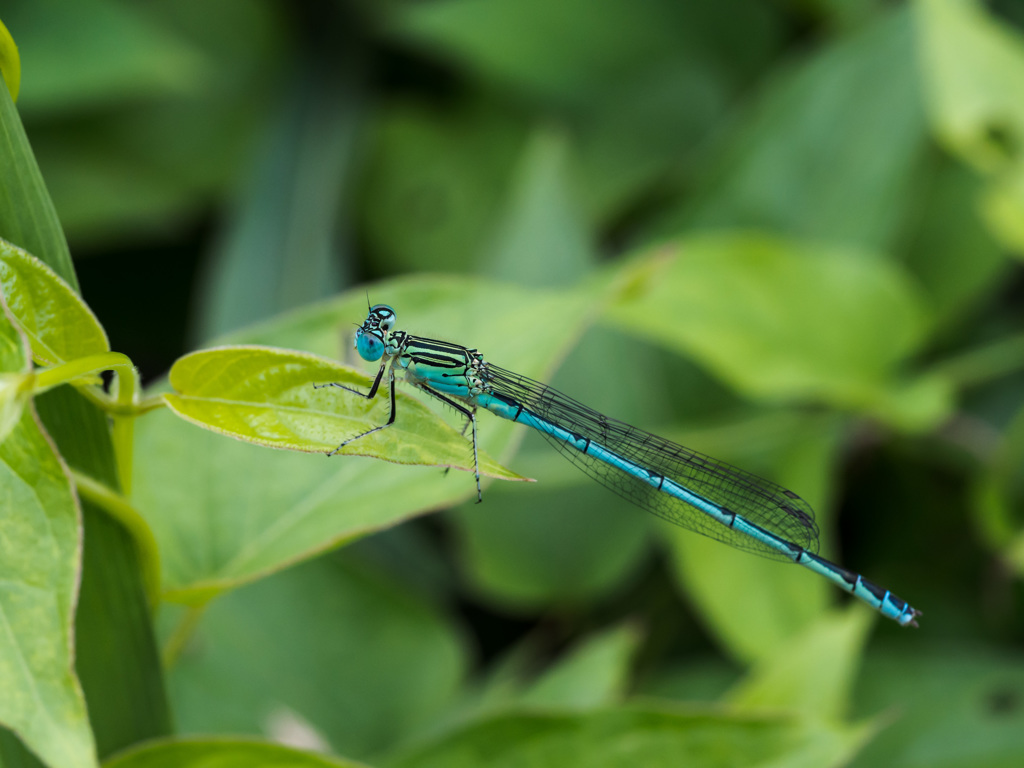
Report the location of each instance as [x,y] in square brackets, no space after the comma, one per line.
[372,336]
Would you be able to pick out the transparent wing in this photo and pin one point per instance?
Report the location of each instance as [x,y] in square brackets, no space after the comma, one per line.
[760,501]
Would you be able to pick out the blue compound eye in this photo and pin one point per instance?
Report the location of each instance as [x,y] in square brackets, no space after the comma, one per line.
[369,346]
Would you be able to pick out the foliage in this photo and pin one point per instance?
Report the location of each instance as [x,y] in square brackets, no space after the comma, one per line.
[786,235]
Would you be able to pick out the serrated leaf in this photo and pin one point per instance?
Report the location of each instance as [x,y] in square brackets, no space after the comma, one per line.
[267,396]
[58,323]
[781,319]
[222,753]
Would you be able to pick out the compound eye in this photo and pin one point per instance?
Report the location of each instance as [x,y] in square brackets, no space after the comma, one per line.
[386,324]
[370,348]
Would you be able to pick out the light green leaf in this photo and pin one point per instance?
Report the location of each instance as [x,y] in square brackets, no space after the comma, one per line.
[10,64]
[267,396]
[225,512]
[222,753]
[40,558]
[780,319]
[973,66]
[58,323]
[593,674]
[812,674]
[342,649]
[16,377]
[649,736]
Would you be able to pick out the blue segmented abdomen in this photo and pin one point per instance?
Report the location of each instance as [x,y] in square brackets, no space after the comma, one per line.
[590,455]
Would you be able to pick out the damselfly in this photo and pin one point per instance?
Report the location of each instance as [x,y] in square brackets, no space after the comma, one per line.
[679,485]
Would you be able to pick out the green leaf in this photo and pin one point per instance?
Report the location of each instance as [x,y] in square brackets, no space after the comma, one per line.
[58,323]
[16,377]
[974,72]
[88,52]
[779,319]
[958,707]
[565,56]
[517,555]
[639,735]
[949,227]
[813,674]
[113,645]
[40,558]
[267,396]
[272,508]
[541,238]
[342,649]
[222,753]
[27,215]
[973,66]
[829,150]
[442,177]
[999,495]
[595,673]
[10,64]
[753,604]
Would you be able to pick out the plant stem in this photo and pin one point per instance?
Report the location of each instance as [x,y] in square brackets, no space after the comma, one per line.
[125,399]
[181,634]
[117,506]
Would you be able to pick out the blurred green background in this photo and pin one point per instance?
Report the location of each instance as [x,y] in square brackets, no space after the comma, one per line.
[841,187]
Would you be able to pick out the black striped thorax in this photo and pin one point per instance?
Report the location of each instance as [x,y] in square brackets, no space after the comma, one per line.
[431,356]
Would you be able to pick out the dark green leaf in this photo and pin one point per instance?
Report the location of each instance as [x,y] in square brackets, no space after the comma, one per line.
[651,736]
[222,753]
[340,649]
[830,150]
